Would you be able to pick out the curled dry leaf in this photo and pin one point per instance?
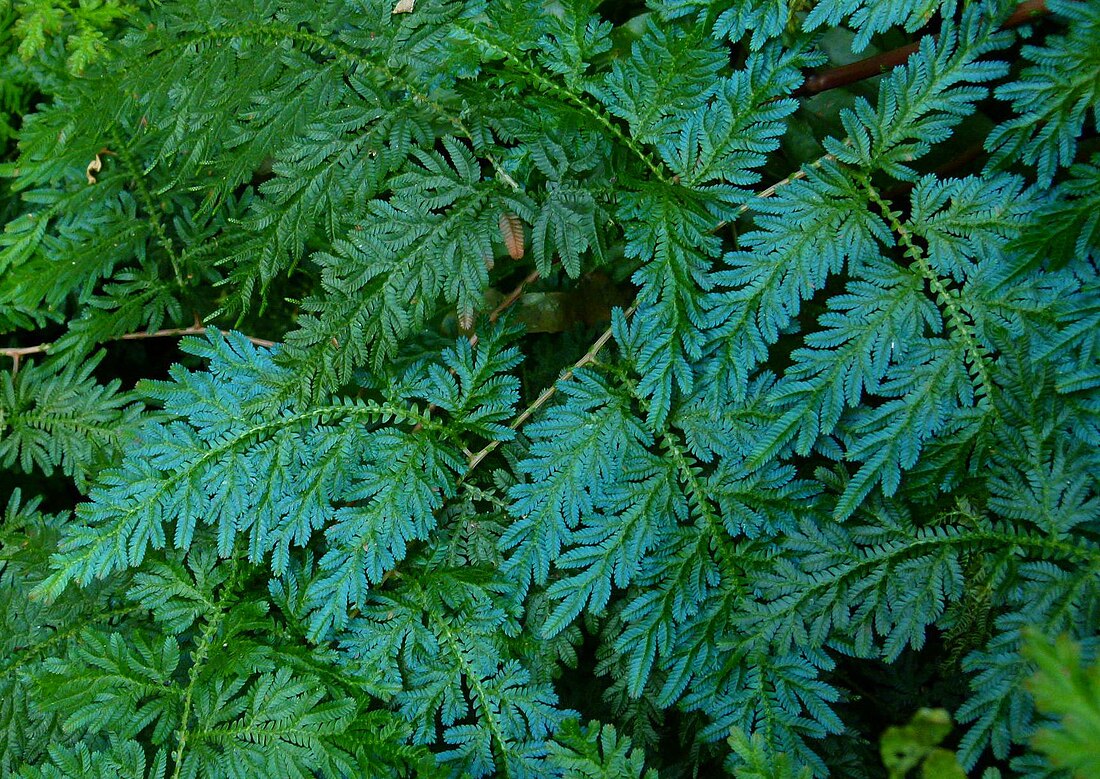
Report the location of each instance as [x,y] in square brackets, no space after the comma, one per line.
[94,167]
[511,230]
[404,7]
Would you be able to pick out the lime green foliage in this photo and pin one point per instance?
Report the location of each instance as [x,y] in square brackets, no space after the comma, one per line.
[838,449]
[82,25]
[917,745]
[1067,689]
[42,42]
[13,98]
[597,752]
[758,762]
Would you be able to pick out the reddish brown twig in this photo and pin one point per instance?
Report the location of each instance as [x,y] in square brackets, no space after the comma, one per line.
[880,63]
[513,296]
[509,300]
[1026,12]
[855,71]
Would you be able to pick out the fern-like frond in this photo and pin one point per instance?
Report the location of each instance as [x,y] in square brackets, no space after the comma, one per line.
[58,417]
[920,102]
[596,751]
[586,440]
[183,471]
[671,236]
[661,83]
[1053,95]
[434,238]
[122,760]
[785,261]
[440,638]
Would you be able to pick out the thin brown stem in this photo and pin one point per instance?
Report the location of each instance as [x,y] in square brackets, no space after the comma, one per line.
[509,300]
[856,71]
[18,352]
[547,393]
[880,63]
[513,296]
[181,331]
[801,173]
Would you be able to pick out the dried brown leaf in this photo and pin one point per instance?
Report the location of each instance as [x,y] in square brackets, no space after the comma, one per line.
[511,230]
[94,167]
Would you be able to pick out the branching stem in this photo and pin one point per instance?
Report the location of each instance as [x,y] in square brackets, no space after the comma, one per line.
[198,659]
[546,394]
[604,119]
[958,319]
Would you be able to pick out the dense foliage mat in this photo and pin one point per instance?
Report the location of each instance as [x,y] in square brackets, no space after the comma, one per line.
[557,388]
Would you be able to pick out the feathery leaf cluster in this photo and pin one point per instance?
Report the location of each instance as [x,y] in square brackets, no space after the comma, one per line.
[848,425]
